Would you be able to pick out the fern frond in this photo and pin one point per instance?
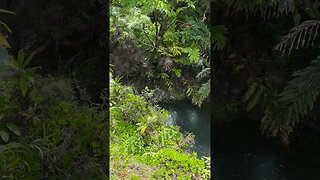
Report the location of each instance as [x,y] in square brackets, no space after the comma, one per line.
[204,59]
[273,123]
[302,91]
[300,36]
[202,93]
[203,73]
[218,36]
[267,8]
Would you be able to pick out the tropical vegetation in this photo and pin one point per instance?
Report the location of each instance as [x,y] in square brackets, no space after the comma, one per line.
[143,145]
[272,56]
[159,53]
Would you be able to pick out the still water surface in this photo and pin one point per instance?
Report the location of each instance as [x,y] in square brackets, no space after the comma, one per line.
[192,119]
[240,152]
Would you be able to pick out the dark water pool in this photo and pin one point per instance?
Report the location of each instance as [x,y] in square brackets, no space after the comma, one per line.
[193,120]
[240,152]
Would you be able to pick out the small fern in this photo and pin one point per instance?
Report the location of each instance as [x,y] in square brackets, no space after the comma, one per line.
[202,93]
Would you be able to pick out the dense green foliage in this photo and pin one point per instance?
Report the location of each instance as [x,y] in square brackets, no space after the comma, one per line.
[159,48]
[267,42]
[143,145]
[166,43]
[46,131]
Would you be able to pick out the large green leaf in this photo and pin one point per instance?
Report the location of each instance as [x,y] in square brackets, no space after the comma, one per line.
[5,26]
[6,11]
[250,91]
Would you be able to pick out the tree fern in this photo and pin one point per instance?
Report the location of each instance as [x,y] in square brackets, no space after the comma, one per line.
[300,36]
[293,104]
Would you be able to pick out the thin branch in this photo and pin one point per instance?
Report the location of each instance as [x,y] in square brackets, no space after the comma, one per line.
[170,25]
[143,27]
[157,30]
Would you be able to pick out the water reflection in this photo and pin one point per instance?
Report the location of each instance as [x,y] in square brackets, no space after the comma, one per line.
[240,152]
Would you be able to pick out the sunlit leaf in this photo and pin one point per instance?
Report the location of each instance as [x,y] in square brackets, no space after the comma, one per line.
[177,72]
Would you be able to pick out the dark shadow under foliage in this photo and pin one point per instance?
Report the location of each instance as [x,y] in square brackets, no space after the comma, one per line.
[266,84]
[53,122]
[69,37]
